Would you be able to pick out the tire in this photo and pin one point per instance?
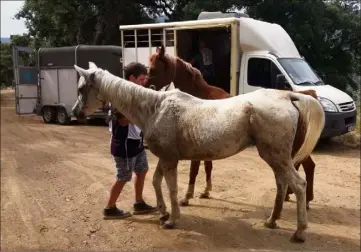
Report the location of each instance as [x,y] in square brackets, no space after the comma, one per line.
[49,114]
[62,117]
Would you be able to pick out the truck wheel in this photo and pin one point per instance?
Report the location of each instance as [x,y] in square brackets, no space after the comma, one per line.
[62,117]
[48,114]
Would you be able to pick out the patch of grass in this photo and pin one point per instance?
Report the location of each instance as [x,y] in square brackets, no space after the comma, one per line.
[351,139]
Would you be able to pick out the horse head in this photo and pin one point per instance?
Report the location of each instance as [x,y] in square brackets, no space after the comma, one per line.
[165,69]
[161,69]
[88,99]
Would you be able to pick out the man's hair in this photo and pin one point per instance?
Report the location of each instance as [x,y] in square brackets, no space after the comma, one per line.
[135,69]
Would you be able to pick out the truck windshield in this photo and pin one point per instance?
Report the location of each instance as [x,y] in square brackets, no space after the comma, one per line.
[300,72]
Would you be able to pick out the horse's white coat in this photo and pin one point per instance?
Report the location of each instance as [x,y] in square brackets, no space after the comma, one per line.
[178,126]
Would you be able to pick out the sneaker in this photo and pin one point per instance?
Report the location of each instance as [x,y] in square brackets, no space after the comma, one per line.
[142,208]
[115,213]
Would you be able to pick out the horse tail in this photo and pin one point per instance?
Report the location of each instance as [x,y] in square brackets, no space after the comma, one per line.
[311,123]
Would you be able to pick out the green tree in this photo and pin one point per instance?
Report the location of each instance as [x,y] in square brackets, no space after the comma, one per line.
[6,60]
[65,23]
[6,67]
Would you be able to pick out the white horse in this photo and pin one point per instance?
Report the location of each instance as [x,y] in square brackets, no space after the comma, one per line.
[178,126]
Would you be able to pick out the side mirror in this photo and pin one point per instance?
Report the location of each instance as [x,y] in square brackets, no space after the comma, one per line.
[282,82]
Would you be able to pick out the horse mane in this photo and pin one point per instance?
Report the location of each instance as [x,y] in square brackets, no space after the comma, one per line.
[126,92]
[177,61]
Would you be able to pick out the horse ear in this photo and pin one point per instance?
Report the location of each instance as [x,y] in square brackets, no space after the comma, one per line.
[81,71]
[161,51]
[92,65]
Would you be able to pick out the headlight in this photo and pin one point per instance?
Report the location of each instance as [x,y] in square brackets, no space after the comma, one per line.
[327,105]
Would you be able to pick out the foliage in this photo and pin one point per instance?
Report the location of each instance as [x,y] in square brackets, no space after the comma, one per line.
[6,63]
[6,66]
[325,32]
[65,23]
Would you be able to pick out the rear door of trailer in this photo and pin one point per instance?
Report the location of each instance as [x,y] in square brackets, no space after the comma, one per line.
[26,81]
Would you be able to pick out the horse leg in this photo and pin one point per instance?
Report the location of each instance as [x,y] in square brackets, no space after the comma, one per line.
[157,182]
[170,175]
[281,184]
[298,185]
[309,168]
[208,166]
[192,180]
[286,174]
[289,190]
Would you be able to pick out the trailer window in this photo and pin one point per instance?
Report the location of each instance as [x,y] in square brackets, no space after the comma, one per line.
[142,38]
[262,73]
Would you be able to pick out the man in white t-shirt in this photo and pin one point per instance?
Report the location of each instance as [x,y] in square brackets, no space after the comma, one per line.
[204,61]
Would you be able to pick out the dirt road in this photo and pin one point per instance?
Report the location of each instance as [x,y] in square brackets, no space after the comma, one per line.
[55,182]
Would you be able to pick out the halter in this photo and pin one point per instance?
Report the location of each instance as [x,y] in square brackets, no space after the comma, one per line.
[85,97]
[165,61]
[154,88]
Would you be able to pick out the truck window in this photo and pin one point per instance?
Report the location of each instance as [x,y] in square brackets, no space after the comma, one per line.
[262,73]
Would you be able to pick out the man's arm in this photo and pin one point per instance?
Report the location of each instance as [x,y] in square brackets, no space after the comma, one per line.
[123,121]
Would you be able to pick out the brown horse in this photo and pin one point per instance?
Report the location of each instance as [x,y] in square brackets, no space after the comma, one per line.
[188,79]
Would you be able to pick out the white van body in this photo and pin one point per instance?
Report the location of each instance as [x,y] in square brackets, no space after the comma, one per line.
[257,51]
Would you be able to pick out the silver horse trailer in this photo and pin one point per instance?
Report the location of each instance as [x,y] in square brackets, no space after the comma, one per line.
[48,88]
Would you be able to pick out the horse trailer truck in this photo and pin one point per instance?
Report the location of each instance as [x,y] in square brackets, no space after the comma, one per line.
[248,54]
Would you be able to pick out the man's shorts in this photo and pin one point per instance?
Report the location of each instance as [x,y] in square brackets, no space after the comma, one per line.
[126,167]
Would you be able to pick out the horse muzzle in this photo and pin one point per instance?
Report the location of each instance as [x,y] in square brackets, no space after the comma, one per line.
[77,112]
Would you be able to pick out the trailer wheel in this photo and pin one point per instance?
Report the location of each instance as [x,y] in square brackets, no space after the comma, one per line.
[62,117]
[48,114]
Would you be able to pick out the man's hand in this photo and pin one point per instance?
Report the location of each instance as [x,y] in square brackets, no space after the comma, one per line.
[123,121]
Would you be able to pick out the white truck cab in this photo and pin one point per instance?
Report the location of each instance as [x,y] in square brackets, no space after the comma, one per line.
[248,54]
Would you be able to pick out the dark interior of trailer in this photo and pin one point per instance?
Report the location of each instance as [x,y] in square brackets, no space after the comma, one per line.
[216,39]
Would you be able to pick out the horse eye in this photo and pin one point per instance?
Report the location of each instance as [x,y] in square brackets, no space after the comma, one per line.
[151,71]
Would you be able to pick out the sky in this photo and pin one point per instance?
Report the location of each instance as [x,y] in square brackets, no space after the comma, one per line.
[10,25]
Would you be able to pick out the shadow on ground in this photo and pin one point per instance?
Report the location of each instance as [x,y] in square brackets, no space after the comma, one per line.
[238,233]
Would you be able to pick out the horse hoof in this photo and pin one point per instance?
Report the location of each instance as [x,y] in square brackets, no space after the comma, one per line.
[167,225]
[204,195]
[298,237]
[163,219]
[287,198]
[270,224]
[184,202]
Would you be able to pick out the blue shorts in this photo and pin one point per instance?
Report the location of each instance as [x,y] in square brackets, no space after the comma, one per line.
[126,166]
